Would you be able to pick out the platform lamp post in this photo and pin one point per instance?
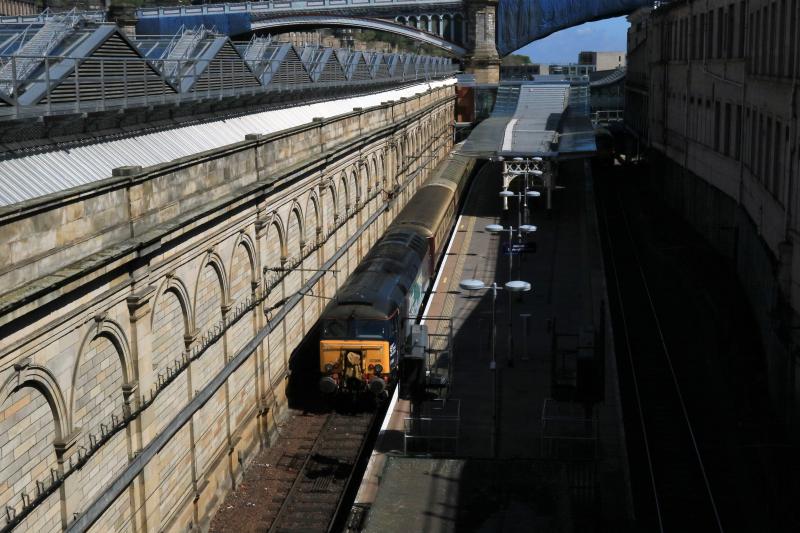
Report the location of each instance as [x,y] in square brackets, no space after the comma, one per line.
[518,286]
[505,194]
[524,229]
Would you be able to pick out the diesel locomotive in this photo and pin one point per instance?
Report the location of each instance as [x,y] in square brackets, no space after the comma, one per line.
[364,329]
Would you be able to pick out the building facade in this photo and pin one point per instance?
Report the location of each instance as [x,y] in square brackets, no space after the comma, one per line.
[712,91]
[602,60]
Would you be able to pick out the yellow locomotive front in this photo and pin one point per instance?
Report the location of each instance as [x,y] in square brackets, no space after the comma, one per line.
[356,355]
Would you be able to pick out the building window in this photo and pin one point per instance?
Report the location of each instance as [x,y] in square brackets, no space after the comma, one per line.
[792,35]
[777,173]
[728,132]
[781,67]
[720,32]
[716,126]
[742,19]
[729,30]
[737,147]
[764,61]
[773,30]
[766,160]
[710,36]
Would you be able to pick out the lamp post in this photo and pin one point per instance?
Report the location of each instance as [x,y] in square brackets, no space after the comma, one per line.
[524,229]
[518,286]
[505,194]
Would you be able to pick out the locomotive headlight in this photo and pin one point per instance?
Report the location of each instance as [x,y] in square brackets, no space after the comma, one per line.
[329,368]
[379,368]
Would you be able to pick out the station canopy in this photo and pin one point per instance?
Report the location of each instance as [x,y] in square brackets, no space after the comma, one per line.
[547,117]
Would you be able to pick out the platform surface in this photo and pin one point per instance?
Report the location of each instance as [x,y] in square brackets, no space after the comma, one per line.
[530,450]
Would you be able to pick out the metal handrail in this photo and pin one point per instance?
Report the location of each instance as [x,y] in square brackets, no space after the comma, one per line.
[279,5]
[105,83]
[54,30]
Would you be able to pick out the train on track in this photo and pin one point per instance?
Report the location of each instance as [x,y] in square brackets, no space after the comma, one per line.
[364,329]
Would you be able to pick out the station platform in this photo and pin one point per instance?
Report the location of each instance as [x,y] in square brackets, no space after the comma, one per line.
[533,442]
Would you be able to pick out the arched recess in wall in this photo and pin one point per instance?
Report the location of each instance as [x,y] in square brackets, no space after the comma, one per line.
[436,23]
[342,196]
[212,298]
[243,275]
[311,228]
[101,373]
[211,294]
[329,206]
[354,189]
[365,181]
[275,249]
[458,28]
[376,178]
[312,220]
[101,369]
[294,250]
[33,416]
[423,22]
[171,319]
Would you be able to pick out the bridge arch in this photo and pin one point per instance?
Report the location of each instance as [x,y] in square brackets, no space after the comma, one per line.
[318,21]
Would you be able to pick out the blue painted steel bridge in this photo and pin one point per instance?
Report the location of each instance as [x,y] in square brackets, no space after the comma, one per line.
[454,25]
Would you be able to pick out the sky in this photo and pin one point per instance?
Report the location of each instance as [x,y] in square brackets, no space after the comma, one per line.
[562,47]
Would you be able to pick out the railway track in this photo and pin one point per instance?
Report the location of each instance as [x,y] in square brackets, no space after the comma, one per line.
[304,480]
[671,483]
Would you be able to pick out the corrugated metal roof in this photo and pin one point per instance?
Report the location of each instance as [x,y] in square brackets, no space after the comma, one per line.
[30,176]
[535,122]
[524,121]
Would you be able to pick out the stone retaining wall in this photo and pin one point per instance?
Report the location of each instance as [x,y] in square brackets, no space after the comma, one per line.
[123,299]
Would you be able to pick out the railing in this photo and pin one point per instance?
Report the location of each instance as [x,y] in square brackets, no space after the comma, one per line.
[52,32]
[107,83]
[94,16]
[180,48]
[278,6]
[606,116]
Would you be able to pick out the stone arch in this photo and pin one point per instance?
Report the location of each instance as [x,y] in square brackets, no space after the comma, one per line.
[242,285]
[214,261]
[243,275]
[246,241]
[342,195]
[312,221]
[171,320]
[424,20]
[401,20]
[43,381]
[175,286]
[211,298]
[354,186]
[276,228]
[447,27]
[97,376]
[294,232]
[375,181]
[329,203]
[33,418]
[458,28]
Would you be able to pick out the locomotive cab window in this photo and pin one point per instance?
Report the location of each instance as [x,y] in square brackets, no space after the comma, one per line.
[371,329]
[334,329]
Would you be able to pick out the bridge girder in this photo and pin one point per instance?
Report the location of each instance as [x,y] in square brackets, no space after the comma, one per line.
[318,21]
